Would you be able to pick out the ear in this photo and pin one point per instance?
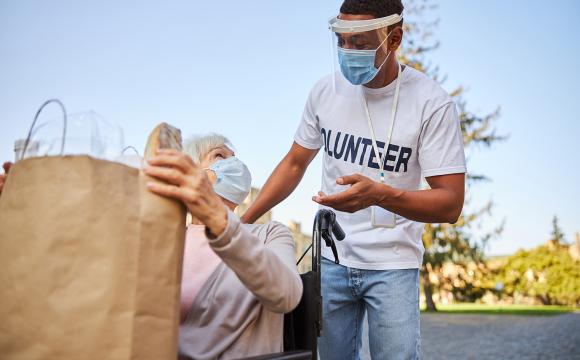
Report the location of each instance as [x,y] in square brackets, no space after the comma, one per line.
[211,176]
[396,38]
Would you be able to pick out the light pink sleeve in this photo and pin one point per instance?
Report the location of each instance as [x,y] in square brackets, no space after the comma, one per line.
[265,266]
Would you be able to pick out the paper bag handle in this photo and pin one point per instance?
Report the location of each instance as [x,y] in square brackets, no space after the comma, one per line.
[64,119]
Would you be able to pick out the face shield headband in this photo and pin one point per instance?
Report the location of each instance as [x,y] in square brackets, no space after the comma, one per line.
[340,26]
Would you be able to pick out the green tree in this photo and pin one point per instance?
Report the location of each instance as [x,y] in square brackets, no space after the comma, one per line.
[547,273]
[448,242]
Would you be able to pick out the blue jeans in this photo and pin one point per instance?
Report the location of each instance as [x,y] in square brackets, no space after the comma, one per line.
[391,299]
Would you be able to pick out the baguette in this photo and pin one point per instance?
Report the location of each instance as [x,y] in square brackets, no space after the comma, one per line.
[164,136]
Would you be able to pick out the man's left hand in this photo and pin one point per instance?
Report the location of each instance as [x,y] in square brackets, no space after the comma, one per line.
[363,193]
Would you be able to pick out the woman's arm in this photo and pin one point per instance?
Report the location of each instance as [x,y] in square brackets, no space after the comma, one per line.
[267,268]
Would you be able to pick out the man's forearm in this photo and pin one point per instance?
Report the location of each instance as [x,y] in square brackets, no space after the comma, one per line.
[428,206]
[279,186]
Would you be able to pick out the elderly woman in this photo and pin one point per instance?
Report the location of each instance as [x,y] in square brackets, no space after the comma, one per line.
[238,279]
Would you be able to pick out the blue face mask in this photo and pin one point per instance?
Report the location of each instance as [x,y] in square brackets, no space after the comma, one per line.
[358,66]
[234,180]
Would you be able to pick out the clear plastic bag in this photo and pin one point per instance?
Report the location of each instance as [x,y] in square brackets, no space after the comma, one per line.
[84,133]
[130,157]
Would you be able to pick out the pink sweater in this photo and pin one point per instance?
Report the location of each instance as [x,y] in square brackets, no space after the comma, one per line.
[238,309]
[199,262]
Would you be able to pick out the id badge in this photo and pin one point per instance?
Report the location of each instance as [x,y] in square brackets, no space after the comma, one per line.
[382,218]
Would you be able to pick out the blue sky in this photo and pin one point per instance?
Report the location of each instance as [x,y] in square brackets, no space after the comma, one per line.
[244,68]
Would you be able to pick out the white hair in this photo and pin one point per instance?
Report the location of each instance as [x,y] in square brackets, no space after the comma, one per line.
[198,146]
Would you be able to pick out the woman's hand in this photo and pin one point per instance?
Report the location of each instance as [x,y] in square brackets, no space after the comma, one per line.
[6,166]
[187,182]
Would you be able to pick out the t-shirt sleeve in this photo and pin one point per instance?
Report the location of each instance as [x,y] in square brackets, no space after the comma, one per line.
[308,133]
[441,143]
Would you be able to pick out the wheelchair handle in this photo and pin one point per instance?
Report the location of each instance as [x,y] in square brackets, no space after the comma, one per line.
[325,226]
[337,231]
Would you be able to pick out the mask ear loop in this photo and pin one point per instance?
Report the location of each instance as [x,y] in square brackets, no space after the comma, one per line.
[388,54]
[231,146]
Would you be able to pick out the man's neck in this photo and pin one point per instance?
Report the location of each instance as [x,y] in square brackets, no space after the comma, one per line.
[386,75]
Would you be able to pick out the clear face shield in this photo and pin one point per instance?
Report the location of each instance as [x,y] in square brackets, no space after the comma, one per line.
[360,48]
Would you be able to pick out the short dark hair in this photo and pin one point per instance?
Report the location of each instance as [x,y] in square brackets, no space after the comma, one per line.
[376,8]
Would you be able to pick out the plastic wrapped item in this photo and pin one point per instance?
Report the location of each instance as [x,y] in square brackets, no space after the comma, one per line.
[84,133]
[31,149]
[130,157]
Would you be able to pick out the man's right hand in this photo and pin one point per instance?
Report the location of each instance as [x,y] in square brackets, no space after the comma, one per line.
[6,166]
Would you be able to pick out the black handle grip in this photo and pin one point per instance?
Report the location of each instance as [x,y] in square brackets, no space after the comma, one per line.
[325,226]
[337,231]
[334,252]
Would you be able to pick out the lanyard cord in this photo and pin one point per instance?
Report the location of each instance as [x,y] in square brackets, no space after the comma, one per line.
[390,134]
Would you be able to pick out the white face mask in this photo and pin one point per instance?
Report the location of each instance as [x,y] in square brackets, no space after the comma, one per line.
[233,179]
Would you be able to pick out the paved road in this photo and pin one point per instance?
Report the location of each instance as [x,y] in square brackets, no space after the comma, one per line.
[462,336]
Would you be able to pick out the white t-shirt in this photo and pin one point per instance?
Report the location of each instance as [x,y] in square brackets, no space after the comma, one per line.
[426,141]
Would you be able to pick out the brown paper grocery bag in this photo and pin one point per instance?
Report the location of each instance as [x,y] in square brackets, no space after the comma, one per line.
[90,263]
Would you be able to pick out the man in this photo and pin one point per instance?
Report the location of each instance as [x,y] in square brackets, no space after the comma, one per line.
[383,127]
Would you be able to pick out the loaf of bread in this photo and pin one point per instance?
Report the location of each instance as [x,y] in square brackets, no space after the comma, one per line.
[164,136]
